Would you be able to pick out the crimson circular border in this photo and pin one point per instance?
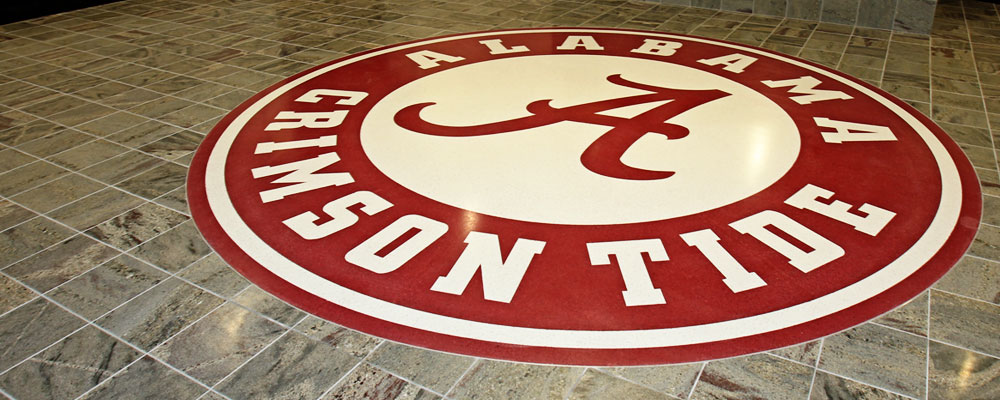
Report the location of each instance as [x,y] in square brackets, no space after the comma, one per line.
[938,263]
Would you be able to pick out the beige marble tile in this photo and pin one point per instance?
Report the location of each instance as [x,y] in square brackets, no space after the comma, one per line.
[147,378]
[831,387]
[260,301]
[344,339]
[175,249]
[973,277]
[60,263]
[96,208]
[910,317]
[494,379]
[214,274]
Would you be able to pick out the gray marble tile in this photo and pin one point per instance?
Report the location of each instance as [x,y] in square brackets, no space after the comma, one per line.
[96,208]
[973,277]
[32,327]
[961,374]
[175,249]
[147,379]
[258,300]
[832,387]
[356,343]
[495,379]
[806,353]
[293,367]
[753,377]
[910,317]
[968,323]
[156,315]
[14,294]
[878,356]
[28,176]
[12,214]
[28,238]
[156,181]
[675,380]
[214,346]
[60,263]
[57,193]
[432,369]
[214,274]
[368,382]
[136,226]
[88,154]
[109,285]
[70,367]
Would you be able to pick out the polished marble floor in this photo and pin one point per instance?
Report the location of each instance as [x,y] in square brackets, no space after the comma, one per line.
[109,291]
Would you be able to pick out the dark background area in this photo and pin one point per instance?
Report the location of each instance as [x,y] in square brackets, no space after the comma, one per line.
[18,10]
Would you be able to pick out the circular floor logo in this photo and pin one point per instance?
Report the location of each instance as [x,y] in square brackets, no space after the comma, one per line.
[584,196]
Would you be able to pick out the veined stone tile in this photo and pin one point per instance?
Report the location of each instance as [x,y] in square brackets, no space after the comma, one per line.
[122,167]
[70,367]
[32,327]
[878,356]
[434,370]
[175,199]
[832,387]
[60,263]
[175,249]
[214,346]
[598,385]
[156,181]
[961,374]
[258,300]
[55,143]
[293,367]
[214,274]
[14,294]
[805,353]
[368,382]
[344,339]
[58,193]
[136,226]
[496,379]
[28,238]
[910,317]
[159,313]
[12,214]
[109,285]
[147,379]
[973,277]
[675,380]
[87,154]
[969,323]
[28,176]
[755,376]
[96,208]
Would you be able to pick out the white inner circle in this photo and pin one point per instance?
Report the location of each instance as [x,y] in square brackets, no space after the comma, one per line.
[737,146]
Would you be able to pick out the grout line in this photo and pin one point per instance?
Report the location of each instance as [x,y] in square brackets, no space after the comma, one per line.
[468,370]
[697,379]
